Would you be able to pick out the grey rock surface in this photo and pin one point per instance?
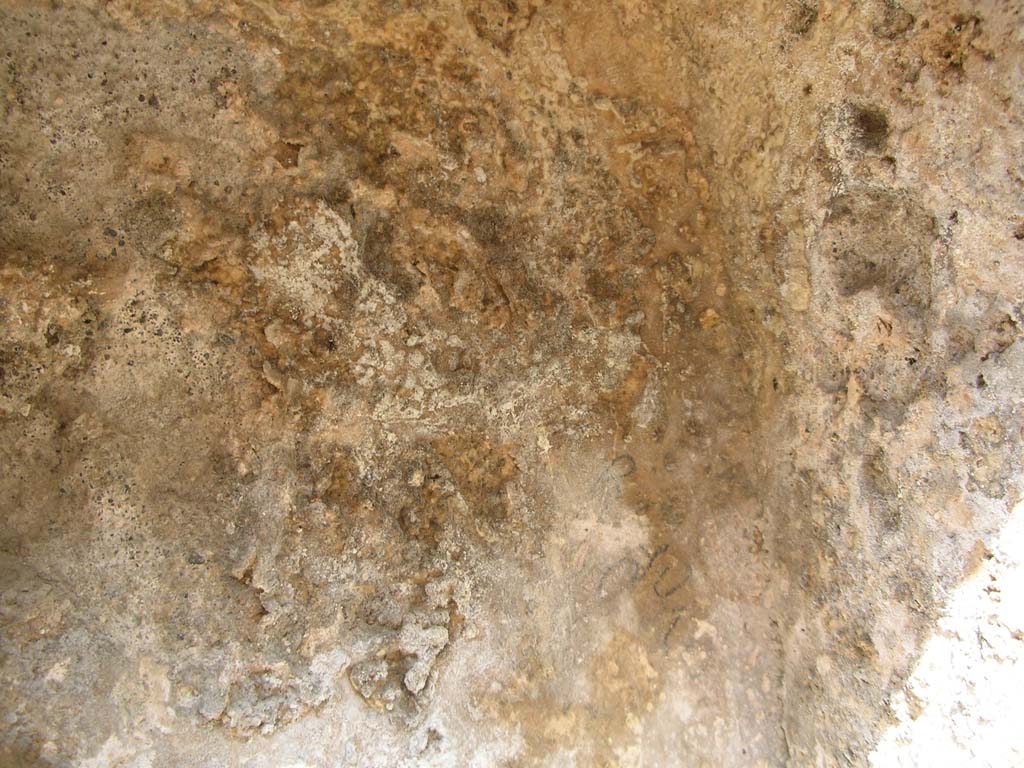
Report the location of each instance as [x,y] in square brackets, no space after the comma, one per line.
[481,383]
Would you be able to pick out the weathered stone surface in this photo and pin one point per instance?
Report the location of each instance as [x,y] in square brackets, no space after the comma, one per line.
[497,383]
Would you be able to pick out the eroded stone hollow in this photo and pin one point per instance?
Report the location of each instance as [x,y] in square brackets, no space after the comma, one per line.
[497,383]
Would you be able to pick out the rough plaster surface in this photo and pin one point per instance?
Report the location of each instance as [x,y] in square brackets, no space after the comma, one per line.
[398,383]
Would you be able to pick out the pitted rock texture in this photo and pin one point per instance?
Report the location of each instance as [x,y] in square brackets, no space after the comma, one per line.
[392,383]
